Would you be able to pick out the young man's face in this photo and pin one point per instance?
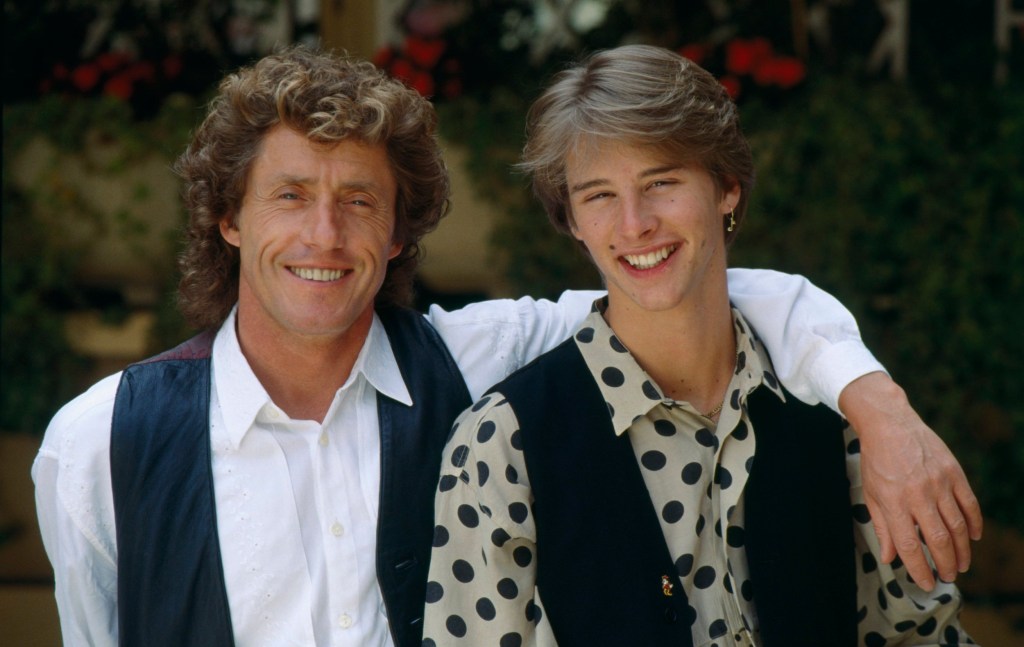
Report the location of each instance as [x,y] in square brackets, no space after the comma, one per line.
[654,230]
[315,234]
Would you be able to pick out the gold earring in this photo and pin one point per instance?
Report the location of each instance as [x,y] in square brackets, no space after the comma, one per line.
[732,220]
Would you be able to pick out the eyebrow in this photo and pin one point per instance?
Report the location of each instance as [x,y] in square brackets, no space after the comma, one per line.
[285,178]
[589,184]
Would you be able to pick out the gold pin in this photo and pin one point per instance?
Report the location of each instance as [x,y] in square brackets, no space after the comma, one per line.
[666,586]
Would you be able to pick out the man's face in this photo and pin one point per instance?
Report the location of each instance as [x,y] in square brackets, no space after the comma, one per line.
[314,233]
[654,229]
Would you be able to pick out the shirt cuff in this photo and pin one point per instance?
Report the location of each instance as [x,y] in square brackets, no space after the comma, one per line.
[835,367]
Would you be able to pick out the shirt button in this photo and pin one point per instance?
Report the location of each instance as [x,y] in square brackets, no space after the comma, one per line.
[337,529]
[345,621]
[323,439]
[671,616]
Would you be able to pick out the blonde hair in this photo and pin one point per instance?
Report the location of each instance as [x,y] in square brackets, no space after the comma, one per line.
[639,95]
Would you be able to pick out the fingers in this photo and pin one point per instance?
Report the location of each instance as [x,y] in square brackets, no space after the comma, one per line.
[969,506]
[908,546]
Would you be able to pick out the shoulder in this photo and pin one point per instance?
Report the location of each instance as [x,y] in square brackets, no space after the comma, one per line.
[84,421]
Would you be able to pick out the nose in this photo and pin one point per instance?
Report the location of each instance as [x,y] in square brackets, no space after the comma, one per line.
[325,225]
[637,218]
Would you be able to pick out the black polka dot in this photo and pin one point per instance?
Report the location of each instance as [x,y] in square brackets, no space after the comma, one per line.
[485,431]
[447,483]
[894,589]
[485,510]
[692,473]
[727,582]
[853,447]
[723,477]
[613,377]
[462,571]
[482,472]
[481,403]
[741,361]
[653,460]
[874,639]
[861,514]
[672,512]
[585,335]
[927,627]
[522,556]
[511,639]
[511,475]
[868,563]
[717,629]
[459,455]
[704,577]
[611,409]
[700,525]
[456,626]
[951,636]
[650,391]
[518,511]
[741,431]
[945,598]
[533,612]
[485,609]
[684,565]
[734,399]
[616,345]
[499,537]
[440,536]
[749,464]
[468,516]
[665,428]
[770,380]
[747,590]
[897,563]
[427,642]
[883,602]
[906,625]
[516,440]
[735,536]
[862,614]
[508,589]
[730,512]
[434,592]
[706,437]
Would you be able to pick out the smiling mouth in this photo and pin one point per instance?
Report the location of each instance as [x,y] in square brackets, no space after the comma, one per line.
[651,259]
[317,273]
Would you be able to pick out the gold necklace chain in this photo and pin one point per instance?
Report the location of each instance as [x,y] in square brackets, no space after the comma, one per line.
[714,412]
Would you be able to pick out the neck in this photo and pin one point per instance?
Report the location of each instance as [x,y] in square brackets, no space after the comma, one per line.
[702,343]
[301,374]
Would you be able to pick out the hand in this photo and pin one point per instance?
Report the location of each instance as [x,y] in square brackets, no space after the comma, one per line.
[911,481]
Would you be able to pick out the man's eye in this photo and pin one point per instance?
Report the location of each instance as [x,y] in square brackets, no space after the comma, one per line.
[289,196]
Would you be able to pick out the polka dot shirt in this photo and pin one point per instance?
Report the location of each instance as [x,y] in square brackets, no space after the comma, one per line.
[481,588]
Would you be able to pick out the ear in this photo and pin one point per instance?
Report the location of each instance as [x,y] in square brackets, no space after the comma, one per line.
[396,249]
[730,195]
[229,231]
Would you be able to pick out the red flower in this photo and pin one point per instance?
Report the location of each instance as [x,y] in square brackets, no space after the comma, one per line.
[424,52]
[694,52]
[60,71]
[119,86]
[402,69]
[110,61]
[743,56]
[731,85]
[383,57]
[783,71]
[85,77]
[423,83]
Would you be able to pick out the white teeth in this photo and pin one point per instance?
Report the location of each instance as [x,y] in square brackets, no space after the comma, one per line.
[647,261]
[316,273]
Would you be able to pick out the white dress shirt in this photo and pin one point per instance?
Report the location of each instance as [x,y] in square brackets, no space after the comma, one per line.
[297,500]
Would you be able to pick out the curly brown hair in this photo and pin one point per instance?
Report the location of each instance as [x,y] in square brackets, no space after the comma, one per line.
[329,98]
[641,95]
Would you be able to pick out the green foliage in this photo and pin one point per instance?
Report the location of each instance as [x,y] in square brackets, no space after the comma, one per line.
[41,261]
[909,211]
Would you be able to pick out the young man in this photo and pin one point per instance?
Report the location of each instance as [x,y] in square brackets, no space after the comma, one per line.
[271,481]
[650,481]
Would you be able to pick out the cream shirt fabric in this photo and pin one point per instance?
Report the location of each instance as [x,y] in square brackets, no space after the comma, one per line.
[297,501]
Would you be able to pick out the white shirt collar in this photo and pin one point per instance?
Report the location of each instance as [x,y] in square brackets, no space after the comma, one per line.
[241,395]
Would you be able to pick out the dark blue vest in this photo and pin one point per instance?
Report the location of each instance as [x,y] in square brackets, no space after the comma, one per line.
[601,553]
[171,587]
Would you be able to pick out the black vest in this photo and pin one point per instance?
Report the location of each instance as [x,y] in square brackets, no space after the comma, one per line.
[601,553]
[171,587]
